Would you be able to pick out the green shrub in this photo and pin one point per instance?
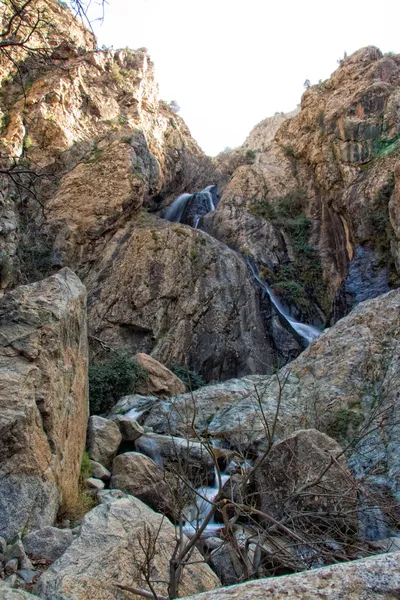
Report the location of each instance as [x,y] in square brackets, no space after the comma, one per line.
[191,379]
[250,157]
[110,379]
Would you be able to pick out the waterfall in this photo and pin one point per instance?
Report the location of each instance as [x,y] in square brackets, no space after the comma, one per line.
[307,332]
[175,211]
[201,508]
[189,208]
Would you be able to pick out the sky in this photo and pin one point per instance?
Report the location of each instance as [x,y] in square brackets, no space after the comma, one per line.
[229,64]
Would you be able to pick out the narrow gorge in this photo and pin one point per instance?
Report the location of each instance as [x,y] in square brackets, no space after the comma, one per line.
[199,357]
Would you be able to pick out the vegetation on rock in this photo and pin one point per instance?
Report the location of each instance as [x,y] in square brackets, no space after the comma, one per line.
[115,376]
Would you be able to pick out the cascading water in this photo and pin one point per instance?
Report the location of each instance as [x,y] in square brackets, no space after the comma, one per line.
[189,208]
[198,512]
[306,332]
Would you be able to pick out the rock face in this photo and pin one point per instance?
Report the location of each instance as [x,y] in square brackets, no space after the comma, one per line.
[187,299]
[108,551]
[160,381]
[319,189]
[377,577]
[43,400]
[103,440]
[8,593]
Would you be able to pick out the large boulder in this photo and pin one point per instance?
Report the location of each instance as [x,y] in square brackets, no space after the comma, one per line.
[110,550]
[138,475]
[305,478]
[160,381]
[374,578]
[187,299]
[103,440]
[48,543]
[43,400]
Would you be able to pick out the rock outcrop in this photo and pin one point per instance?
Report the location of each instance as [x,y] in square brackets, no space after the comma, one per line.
[373,578]
[43,400]
[187,299]
[319,186]
[109,551]
[159,380]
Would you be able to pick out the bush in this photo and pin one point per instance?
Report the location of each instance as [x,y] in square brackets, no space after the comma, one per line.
[191,379]
[117,375]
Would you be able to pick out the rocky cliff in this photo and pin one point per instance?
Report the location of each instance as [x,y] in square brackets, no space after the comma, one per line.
[320,190]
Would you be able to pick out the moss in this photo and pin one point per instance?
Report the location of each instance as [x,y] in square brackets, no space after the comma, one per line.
[95,156]
[344,423]
[28,142]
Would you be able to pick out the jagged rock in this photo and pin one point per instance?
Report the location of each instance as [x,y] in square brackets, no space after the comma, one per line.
[377,577]
[48,543]
[160,381]
[108,552]
[44,402]
[103,440]
[11,566]
[129,428]
[226,564]
[330,386]
[7,593]
[292,465]
[100,472]
[139,476]
[197,306]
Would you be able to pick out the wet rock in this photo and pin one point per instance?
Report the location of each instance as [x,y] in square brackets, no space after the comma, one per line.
[187,456]
[44,403]
[28,576]
[109,552]
[11,566]
[103,440]
[48,543]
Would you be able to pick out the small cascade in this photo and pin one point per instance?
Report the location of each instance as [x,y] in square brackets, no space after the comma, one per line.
[306,332]
[189,208]
[198,512]
[134,414]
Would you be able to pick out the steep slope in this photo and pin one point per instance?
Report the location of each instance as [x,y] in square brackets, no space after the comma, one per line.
[323,180]
[92,150]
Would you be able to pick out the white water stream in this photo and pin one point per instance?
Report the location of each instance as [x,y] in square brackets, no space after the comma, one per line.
[307,332]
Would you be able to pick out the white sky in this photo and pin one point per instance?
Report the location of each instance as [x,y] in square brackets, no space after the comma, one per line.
[229,63]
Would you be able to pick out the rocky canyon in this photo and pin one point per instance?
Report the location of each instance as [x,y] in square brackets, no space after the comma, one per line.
[199,357]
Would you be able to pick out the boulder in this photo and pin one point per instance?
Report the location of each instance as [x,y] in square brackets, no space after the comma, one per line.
[283,484]
[160,381]
[43,400]
[178,294]
[100,472]
[8,593]
[190,457]
[48,543]
[109,551]
[373,578]
[138,475]
[103,440]
[129,428]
